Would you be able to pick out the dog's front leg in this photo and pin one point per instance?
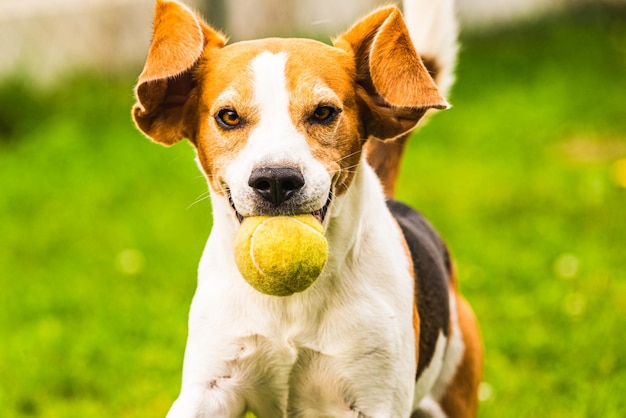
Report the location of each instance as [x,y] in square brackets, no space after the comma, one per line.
[210,379]
[230,366]
[207,390]
[227,374]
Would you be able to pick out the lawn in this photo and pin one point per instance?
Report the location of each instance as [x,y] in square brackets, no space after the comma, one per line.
[101,230]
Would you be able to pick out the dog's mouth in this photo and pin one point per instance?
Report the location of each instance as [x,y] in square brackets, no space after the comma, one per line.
[319,214]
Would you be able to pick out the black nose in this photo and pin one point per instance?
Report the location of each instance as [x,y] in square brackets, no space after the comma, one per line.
[276,184]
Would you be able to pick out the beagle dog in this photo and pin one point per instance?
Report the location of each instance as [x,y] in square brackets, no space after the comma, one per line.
[384,331]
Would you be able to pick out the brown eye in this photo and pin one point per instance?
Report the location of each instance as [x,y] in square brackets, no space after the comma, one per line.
[324,114]
[228,118]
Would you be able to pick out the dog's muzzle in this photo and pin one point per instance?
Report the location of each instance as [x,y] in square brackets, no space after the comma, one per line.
[279,190]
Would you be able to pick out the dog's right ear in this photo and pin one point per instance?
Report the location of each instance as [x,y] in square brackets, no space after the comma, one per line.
[167,84]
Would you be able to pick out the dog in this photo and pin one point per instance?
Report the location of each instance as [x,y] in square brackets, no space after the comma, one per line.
[296,126]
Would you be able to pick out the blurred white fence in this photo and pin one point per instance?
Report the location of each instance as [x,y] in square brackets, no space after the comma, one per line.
[43,38]
[327,17]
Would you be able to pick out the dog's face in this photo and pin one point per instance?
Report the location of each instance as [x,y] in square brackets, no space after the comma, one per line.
[279,124]
[276,134]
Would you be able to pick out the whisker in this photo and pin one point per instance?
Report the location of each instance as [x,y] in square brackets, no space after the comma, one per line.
[347,156]
[346,169]
[203,196]
[203,175]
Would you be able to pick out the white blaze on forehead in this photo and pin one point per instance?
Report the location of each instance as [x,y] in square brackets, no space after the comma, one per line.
[275,138]
[270,85]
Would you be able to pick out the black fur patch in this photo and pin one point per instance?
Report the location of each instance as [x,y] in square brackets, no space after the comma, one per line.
[431,263]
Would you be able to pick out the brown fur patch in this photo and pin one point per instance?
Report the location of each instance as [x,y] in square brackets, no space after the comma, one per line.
[222,88]
[384,157]
[325,76]
[461,397]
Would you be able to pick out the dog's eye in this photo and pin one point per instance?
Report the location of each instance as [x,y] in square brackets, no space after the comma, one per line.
[228,118]
[324,114]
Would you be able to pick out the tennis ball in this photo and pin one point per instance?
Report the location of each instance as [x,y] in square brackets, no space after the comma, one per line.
[280,255]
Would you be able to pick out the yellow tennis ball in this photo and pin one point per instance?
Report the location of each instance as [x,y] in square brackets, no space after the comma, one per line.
[281,255]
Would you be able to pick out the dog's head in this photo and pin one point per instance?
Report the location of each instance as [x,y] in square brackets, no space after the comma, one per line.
[279,124]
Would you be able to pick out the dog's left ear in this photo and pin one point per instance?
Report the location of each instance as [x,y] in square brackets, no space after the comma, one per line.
[393,84]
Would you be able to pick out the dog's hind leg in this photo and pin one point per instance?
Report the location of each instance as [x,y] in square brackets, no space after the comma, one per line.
[456,396]
[460,398]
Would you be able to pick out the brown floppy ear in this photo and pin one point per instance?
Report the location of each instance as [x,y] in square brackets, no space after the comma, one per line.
[167,85]
[392,82]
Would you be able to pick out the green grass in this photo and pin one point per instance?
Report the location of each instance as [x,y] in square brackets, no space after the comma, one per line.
[99,236]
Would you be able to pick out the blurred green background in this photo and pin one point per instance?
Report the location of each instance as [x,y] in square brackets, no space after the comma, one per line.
[101,230]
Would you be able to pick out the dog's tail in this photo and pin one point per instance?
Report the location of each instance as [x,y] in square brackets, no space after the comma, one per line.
[433,28]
